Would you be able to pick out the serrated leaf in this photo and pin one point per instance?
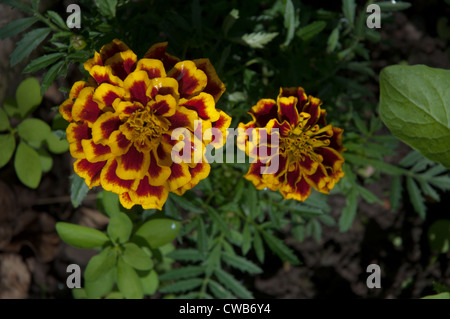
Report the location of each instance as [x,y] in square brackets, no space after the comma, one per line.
[219,291]
[7,145]
[202,237]
[218,219]
[441,182]
[181,286]
[415,197]
[381,166]
[241,263]
[100,264]
[28,165]
[27,44]
[51,75]
[231,283]
[81,236]
[410,159]
[187,205]
[42,62]
[56,18]
[360,124]
[258,246]
[119,228]
[213,260]
[396,192]
[28,96]
[246,239]
[229,21]
[258,40]
[279,248]
[136,257]
[187,254]
[349,211]
[33,130]
[368,196]
[183,273]
[429,191]
[414,106]
[311,30]
[107,7]
[78,190]
[128,281]
[299,232]
[16,26]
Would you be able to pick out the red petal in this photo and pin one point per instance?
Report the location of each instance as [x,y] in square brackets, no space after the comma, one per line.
[89,171]
[158,51]
[215,86]
[111,182]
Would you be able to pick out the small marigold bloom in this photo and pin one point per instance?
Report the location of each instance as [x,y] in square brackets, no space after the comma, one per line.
[307,150]
[122,118]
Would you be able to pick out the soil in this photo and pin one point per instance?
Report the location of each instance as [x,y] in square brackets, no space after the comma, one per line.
[33,259]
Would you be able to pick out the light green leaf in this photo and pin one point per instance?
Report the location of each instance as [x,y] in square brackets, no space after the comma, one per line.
[33,130]
[229,21]
[311,30]
[46,160]
[29,42]
[128,281]
[158,232]
[28,165]
[181,286]
[111,203]
[16,26]
[150,282]
[28,96]
[258,40]
[333,40]
[56,145]
[78,190]
[7,145]
[42,62]
[136,257]
[416,197]
[4,120]
[100,287]
[414,105]
[119,228]
[100,264]
[442,295]
[241,263]
[81,236]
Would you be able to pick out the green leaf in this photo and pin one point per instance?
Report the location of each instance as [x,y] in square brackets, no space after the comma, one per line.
[415,197]
[187,254]
[442,295]
[393,5]
[217,218]
[258,40]
[102,286]
[28,165]
[231,283]
[16,26]
[348,7]
[187,205]
[150,282]
[219,291]
[51,75]
[213,260]
[289,21]
[56,145]
[246,239]
[349,211]
[46,160]
[111,203]
[202,237]
[7,145]
[4,120]
[29,42]
[81,236]
[107,7]
[441,182]
[258,246]
[181,286]
[119,228]
[28,96]
[42,62]
[56,18]
[241,263]
[381,166]
[78,190]
[396,192]
[333,40]
[299,232]
[311,30]
[410,159]
[429,191]
[158,232]
[183,273]
[279,248]
[368,196]
[229,21]
[360,124]
[33,130]
[128,281]
[100,264]
[414,105]
[35,5]
[136,257]
[439,236]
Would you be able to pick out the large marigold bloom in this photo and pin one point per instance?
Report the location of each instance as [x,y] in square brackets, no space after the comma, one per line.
[122,118]
[308,150]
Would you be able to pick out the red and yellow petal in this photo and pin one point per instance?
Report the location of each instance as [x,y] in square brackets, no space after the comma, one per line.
[164,105]
[163,152]
[163,86]
[330,158]
[287,110]
[118,143]
[106,94]
[307,165]
[66,110]
[122,63]
[301,192]
[191,80]
[133,164]
[157,175]
[254,174]
[136,85]
[297,92]
[125,108]
[183,118]
[104,126]
[153,67]
[126,201]
[179,175]
[264,111]
[158,52]
[76,132]
[222,124]
[111,182]
[336,139]
[214,86]
[76,89]
[96,60]
[112,48]
[283,128]
[89,171]
[319,179]
[204,105]
[85,108]
[96,152]
[198,172]
[149,196]
[103,74]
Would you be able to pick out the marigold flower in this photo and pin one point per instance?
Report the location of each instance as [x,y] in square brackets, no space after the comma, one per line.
[308,150]
[121,121]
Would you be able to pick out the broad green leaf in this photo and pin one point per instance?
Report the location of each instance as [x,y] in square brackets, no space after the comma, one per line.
[119,228]
[51,75]
[81,236]
[28,96]
[4,120]
[439,236]
[79,293]
[258,40]
[28,165]
[56,145]
[111,203]
[100,264]
[100,287]
[181,286]
[442,295]
[311,30]
[231,283]
[16,26]
[33,130]
[279,248]
[416,197]
[128,281]
[241,263]
[349,211]
[183,273]
[10,106]
[27,44]
[219,291]
[158,232]
[107,7]
[46,160]
[7,146]
[42,62]
[414,105]
[136,257]
[187,254]
[150,282]
[78,190]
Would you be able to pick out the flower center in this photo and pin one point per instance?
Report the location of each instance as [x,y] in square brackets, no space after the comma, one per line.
[147,128]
